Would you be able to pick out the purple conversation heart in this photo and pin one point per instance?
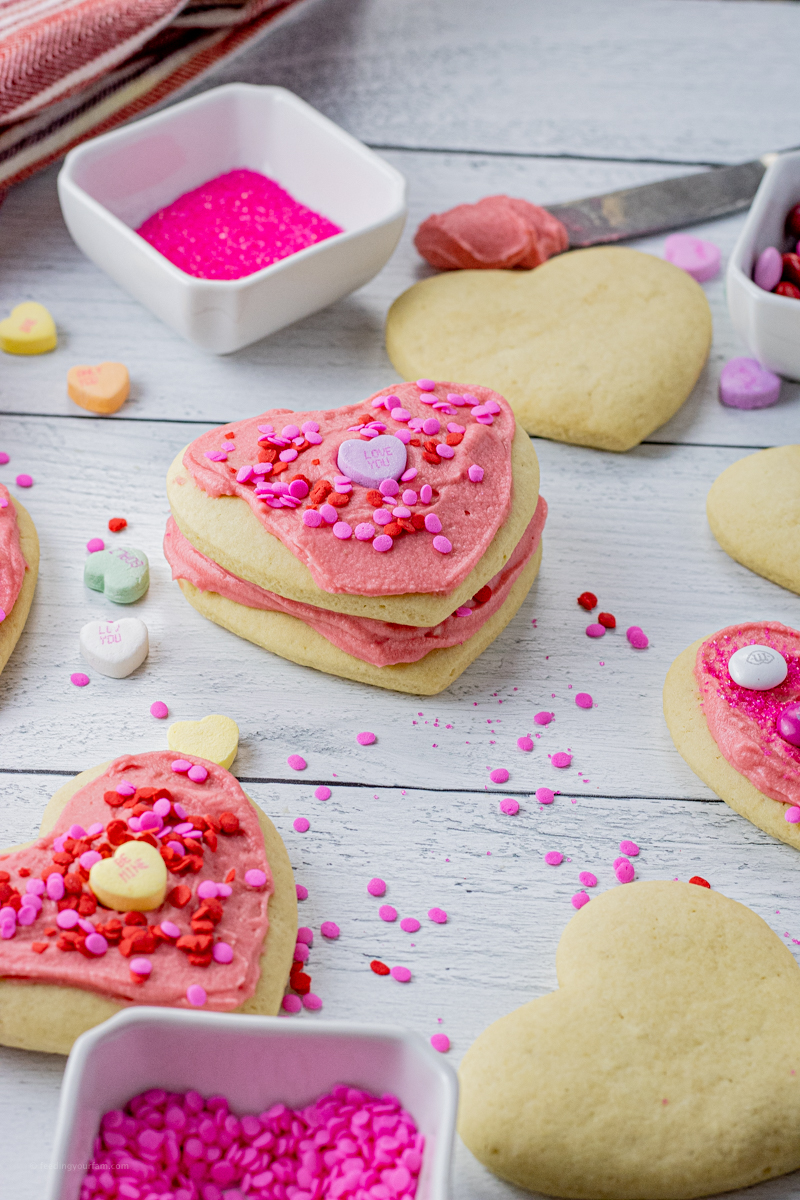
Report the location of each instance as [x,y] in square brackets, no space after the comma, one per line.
[698,258]
[368,463]
[744,383]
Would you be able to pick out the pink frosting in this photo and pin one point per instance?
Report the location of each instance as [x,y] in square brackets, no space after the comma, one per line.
[12,564]
[381,643]
[742,722]
[470,513]
[243,925]
[496,233]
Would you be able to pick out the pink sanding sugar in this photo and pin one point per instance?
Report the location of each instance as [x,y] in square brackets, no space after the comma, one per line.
[234,225]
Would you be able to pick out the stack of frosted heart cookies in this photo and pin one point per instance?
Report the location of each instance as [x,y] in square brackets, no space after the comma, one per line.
[388,542]
[19,568]
[154,880]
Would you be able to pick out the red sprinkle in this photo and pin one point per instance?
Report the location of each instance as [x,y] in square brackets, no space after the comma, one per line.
[698,879]
[607,619]
[587,600]
[116,524]
[378,967]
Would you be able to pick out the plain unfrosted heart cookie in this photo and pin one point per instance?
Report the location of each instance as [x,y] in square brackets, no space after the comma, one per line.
[596,347]
[753,509]
[17,537]
[214,737]
[665,1067]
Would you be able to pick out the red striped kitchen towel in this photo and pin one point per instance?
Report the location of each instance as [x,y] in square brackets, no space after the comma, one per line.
[70,69]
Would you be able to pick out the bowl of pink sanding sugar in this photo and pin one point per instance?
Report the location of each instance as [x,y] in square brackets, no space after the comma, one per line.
[233,214]
[229,1078]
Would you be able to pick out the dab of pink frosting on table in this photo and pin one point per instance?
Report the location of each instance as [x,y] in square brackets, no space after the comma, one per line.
[234,225]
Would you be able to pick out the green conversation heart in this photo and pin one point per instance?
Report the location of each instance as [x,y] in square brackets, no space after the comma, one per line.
[122,573]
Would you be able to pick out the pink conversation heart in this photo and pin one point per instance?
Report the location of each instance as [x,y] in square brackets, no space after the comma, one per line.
[698,258]
[368,463]
[744,383]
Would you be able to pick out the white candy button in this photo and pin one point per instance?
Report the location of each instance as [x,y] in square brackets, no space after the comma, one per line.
[757,668]
[115,648]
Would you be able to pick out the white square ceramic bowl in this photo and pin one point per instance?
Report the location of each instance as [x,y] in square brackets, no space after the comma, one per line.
[111,184]
[769,325]
[256,1062]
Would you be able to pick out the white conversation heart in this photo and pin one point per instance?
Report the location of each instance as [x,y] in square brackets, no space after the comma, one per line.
[115,648]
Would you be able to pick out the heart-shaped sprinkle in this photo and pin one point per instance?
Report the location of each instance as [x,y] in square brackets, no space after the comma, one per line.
[215,738]
[368,463]
[134,879]
[102,389]
[694,256]
[29,330]
[115,648]
[122,573]
[744,383]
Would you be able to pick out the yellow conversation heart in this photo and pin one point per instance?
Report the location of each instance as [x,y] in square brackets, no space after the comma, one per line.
[215,738]
[101,389]
[134,879]
[29,330]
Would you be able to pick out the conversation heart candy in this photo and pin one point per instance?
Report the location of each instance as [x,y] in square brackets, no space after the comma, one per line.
[115,648]
[215,738]
[134,879]
[744,383]
[122,573]
[368,463]
[101,389]
[694,256]
[29,330]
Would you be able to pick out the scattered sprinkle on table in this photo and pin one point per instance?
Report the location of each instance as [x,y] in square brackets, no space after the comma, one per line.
[584,700]
[301,890]
[579,899]
[387,913]
[79,679]
[379,968]
[440,1042]
[365,739]
[301,824]
[376,887]
[296,762]
[561,759]
[117,524]
[24,481]
[607,619]
[543,718]
[554,858]
[587,879]
[587,600]
[637,638]
[4,458]
[499,775]
[698,879]
[401,974]
[95,544]
[159,710]
[595,630]
[437,915]
[322,792]
[629,848]
[624,871]
[509,806]
[410,925]
[545,795]
[525,743]
[329,929]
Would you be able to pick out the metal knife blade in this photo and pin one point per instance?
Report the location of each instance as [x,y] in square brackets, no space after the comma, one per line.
[666,204]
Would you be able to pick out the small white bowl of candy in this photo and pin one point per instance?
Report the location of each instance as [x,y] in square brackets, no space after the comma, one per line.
[763,279]
[234,213]
[225,1107]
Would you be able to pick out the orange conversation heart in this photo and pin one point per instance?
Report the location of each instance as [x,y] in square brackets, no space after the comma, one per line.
[102,389]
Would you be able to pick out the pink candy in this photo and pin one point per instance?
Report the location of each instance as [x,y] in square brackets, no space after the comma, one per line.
[329,929]
[499,775]
[554,858]
[296,762]
[387,913]
[624,870]
[375,887]
[579,899]
[301,824]
[437,915]
[525,743]
[561,759]
[440,1042]
[322,792]
[637,638]
[509,806]
[587,879]
[365,738]
[595,631]
[545,795]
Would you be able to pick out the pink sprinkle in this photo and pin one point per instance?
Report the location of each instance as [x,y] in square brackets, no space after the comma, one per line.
[197,774]
[401,974]
[364,531]
[162,807]
[312,1002]
[408,475]
[437,915]
[342,530]
[255,878]
[545,795]
[296,762]
[432,523]
[792,815]
[401,511]
[475,473]
[329,929]
[207,890]
[365,738]
[595,631]
[222,952]
[79,679]
[96,944]
[509,806]
[301,824]
[4,458]
[170,929]
[291,1004]
[561,759]
[624,872]
[637,638]
[387,913]
[67,919]
[89,858]
[401,414]
[629,848]
[322,792]
[375,887]
[24,481]
[305,935]
[300,889]
[55,887]
[403,435]
[426,493]
[301,952]
[382,543]
[95,544]
[388,487]
[180,766]
[442,544]
[196,995]
[159,710]
[584,700]
[587,879]
[298,488]
[463,611]
[329,514]
[440,1042]
[499,775]
[143,967]
[445,451]
[431,426]
[426,385]
[312,519]
[553,858]
[525,743]
[579,899]
[410,924]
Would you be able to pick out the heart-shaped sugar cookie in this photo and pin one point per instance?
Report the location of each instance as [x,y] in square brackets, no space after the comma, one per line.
[134,879]
[753,509]
[19,568]
[122,573]
[663,1068]
[102,389]
[215,738]
[596,347]
[29,330]
[115,648]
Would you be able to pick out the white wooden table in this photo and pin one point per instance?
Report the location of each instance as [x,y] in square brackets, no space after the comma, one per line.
[466,98]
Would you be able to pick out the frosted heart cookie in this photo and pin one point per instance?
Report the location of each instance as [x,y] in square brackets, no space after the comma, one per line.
[154,880]
[19,569]
[388,542]
[732,704]
[754,512]
[663,1066]
[596,347]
